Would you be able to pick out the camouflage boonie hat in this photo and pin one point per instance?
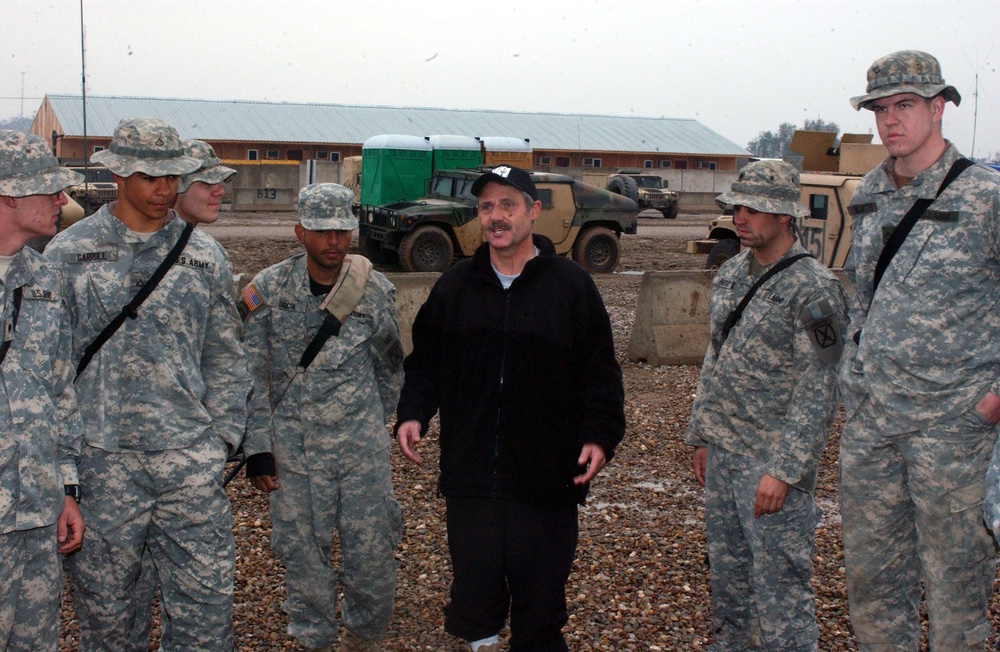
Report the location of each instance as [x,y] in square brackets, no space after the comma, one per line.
[27,167]
[326,207]
[768,187]
[146,145]
[212,170]
[906,71]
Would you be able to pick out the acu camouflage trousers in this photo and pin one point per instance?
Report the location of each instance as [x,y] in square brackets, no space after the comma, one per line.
[173,503]
[760,567]
[356,502]
[30,588]
[911,506]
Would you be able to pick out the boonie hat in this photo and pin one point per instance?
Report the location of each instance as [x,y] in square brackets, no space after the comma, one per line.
[906,71]
[146,145]
[326,207]
[212,170]
[768,187]
[507,175]
[27,167]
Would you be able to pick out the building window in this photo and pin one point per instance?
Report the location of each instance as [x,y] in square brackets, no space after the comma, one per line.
[707,165]
[680,165]
[647,164]
[251,155]
[272,153]
[292,154]
[562,161]
[665,163]
[544,160]
[591,162]
[322,155]
[334,156]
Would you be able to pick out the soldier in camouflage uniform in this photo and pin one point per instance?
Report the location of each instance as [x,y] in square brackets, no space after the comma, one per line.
[199,195]
[761,417]
[163,402]
[921,377]
[316,438]
[40,440]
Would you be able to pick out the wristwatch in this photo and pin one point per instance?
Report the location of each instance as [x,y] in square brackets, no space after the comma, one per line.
[73,490]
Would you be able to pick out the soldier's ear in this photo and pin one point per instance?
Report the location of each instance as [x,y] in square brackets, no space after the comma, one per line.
[10,202]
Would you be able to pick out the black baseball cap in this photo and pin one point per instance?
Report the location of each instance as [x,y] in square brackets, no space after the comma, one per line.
[508,175]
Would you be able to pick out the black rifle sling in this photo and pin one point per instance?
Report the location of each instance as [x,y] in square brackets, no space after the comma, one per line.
[131,311]
[734,316]
[902,230]
[13,325]
[330,327]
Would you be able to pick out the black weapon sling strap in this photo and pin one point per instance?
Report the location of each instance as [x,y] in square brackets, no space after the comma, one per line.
[906,225]
[9,337]
[131,311]
[735,315]
[919,207]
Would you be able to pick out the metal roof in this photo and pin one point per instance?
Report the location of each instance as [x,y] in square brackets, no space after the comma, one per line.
[339,123]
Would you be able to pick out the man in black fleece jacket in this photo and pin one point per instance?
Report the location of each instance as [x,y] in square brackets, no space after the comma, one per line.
[514,348]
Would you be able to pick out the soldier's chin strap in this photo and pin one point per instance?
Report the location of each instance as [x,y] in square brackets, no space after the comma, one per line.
[339,304]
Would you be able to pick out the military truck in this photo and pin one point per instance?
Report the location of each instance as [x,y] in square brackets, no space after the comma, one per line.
[835,172]
[428,233]
[649,191]
[97,189]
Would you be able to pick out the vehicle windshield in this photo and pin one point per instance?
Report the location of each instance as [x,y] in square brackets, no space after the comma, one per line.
[648,182]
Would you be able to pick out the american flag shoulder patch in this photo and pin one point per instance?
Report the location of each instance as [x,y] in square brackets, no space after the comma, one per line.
[251,298]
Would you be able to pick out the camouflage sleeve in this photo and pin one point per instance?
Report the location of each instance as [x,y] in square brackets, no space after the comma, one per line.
[224,365]
[70,425]
[995,252]
[694,436]
[815,396]
[259,433]
[851,371]
[388,357]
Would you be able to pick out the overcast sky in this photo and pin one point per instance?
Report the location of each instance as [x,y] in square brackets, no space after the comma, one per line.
[737,67]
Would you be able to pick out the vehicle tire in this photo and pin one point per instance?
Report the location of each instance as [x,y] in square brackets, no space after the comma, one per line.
[374,252]
[427,249]
[670,213]
[722,251]
[597,250]
[624,186]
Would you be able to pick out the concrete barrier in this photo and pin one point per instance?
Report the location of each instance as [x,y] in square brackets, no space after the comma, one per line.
[671,318]
[411,292]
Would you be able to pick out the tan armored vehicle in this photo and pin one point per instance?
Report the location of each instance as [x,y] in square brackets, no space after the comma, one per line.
[827,187]
[649,191]
[97,189]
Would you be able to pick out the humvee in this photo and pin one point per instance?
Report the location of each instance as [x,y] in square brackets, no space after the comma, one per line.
[835,173]
[646,190]
[428,233]
[97,189]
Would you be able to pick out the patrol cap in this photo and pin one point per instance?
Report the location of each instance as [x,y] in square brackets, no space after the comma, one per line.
[326,207]
[766,186]
[27,167]
[510,176]
[212,170]
[146,145]
[906,71]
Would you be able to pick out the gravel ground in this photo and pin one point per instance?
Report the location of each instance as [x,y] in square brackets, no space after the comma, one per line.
[640,581]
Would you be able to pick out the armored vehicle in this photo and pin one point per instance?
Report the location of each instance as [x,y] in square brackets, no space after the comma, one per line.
[97,189]
[428,233]
[646,190]
[826,192]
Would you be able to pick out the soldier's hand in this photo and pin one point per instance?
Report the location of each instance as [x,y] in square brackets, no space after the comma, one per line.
[408,436]
[69,527]
[771,494]
[698,462]
[266,483]
[989,407]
